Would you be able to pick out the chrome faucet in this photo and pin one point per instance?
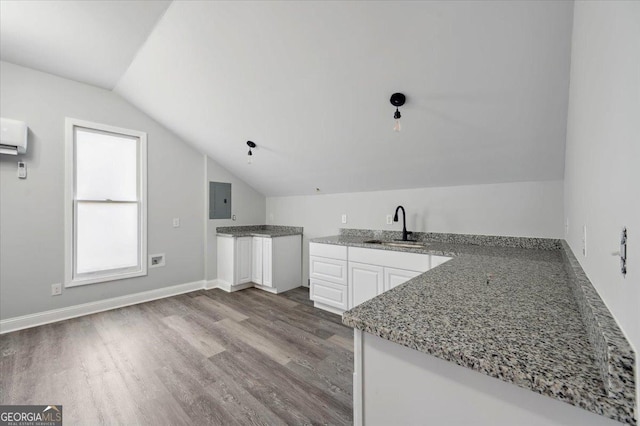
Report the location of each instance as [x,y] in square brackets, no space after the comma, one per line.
[405,233]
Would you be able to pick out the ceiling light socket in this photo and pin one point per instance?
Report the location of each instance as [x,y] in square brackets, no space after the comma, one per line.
[251,145]
[397,100]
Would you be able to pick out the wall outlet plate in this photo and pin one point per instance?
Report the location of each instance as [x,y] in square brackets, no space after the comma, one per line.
[389,219]
[344,218]
[176,222]
[56,289]
[156,260]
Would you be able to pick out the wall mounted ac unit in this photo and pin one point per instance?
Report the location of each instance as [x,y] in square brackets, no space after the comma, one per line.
[13,139]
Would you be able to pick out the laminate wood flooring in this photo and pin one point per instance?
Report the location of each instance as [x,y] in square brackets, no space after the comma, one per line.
[206,357]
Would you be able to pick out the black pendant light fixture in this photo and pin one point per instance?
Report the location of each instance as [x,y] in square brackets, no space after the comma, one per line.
[250,154]
[397,100]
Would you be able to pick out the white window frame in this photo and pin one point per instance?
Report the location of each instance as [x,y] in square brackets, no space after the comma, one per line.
[71,205]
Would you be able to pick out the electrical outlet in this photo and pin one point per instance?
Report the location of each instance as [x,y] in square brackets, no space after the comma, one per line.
[176,222]
[344,218]
[566,228]
[156,260]
[233,217]
[56,289]
[584,240]
[389,219]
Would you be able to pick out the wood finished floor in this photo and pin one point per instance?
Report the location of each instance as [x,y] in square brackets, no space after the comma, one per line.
[206,357]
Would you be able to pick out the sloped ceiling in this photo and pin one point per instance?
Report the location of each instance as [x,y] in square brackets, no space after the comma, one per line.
[309,82]
[89,41]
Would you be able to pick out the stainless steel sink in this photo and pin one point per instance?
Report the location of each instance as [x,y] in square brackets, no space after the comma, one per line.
[399,243]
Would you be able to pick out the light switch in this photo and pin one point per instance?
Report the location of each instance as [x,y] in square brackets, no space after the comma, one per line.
[22,170]
[344,218]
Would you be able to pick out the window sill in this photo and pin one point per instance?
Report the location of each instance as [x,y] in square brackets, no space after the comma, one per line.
[104,278]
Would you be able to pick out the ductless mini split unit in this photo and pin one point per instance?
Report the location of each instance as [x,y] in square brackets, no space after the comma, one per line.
[13,140]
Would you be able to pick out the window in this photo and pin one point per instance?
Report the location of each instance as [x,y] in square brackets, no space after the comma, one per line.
[105,203]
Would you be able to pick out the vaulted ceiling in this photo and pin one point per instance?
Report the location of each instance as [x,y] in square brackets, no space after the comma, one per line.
[309,82]
[89,41]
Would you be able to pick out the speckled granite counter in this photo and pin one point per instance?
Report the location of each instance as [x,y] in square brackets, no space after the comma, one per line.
[527,325]
[269,231]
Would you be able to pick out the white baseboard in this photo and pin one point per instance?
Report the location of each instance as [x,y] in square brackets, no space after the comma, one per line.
[267,289]
[328,308]
[55,315]
[224,285]
[212,284]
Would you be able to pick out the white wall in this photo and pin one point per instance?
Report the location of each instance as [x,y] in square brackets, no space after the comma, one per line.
[246,203]
[602,174]
[32,213]
[527,209]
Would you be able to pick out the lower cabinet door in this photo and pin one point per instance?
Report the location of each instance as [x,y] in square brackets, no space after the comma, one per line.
[267,262]
[328,293]
[256,264]
[365,282]
[394,277]
[243,260]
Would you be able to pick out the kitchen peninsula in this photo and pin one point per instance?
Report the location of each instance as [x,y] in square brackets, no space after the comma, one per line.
[516,309]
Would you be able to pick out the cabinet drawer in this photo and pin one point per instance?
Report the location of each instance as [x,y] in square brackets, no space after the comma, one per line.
[329,293]
[328,250]
[333,270]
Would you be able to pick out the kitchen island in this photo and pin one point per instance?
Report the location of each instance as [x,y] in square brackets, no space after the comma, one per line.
[517,310]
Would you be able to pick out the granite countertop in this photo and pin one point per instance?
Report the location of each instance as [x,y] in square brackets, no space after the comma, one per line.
[506,311]
[270,231]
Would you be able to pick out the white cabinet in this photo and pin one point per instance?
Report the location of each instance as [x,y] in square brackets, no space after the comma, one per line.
[267,261]
[329,294]
[394,277]
[234,261]
[328,277]
[257,260]
[365,282]
[342,277]
[272,264]
[262,261]
[323,268]
[281,263]
[243,264]
[384,268]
